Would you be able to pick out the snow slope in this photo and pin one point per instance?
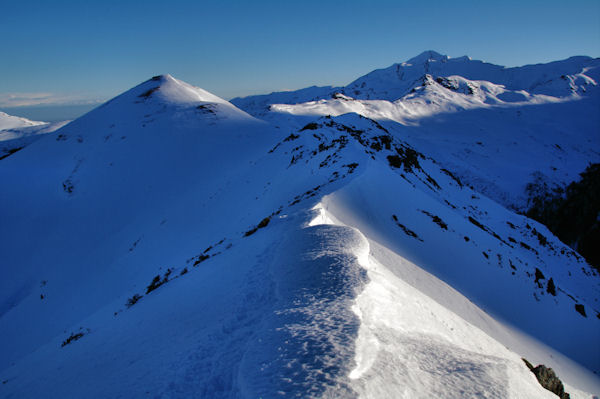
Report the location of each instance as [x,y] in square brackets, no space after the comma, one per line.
[16,132]
[172,245]
[498,146]
[563,78]
[11,122]
[15,139]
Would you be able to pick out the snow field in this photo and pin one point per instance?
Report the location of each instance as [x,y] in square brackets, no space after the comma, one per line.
[170,245]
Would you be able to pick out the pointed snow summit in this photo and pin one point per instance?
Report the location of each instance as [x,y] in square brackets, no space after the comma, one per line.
[162,103]
[171,90]
[427,56]
[165,91]
[159,150]
[574,76]
[559,79]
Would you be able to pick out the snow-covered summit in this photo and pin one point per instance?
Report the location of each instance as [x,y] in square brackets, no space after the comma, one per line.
[572,76]
[427,56]
[168,89]
[165,91]
[429,95]
[561,78]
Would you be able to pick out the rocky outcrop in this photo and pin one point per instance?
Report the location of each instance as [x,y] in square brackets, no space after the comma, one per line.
[548,379]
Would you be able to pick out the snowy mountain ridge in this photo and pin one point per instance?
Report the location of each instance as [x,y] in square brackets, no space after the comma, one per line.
[557,79]
[16,132]
[11,122]
[429,95]
[170,244]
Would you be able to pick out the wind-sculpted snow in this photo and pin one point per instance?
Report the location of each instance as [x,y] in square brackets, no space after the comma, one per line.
[305,345]
[490,256]
[409,345]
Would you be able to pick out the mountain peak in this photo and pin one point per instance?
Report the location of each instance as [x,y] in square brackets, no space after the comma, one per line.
[171,90]
[166,91]
[427,56]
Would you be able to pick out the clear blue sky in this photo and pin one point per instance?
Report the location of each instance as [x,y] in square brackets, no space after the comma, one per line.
[69,51]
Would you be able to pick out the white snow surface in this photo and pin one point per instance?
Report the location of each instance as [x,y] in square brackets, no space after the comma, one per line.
[480,120]
[17,132]
[14,139]
[171,245]
[10,122]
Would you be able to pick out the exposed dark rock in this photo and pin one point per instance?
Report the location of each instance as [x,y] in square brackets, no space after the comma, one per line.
[539,276]
[310,126]
[68,186]
[436,219]
[154,284]
[148,92]
[263,223]
[72,337]
[541,238]
[551,288]
[453,177]
[10,152]
[548,379]
[201,258]
[206,109]
[476,223]
[133,300]
[351,167]
[405,229]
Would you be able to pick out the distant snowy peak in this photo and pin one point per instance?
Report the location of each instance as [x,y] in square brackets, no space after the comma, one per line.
[11,122]
[567,78]
[164,91]
[260,105]
[559,79]
[15,139]
[426,96]
[464,93]
[427,56]
[172,90]
[17,133]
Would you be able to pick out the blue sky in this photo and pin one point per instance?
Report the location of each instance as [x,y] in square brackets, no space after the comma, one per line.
[62,52]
